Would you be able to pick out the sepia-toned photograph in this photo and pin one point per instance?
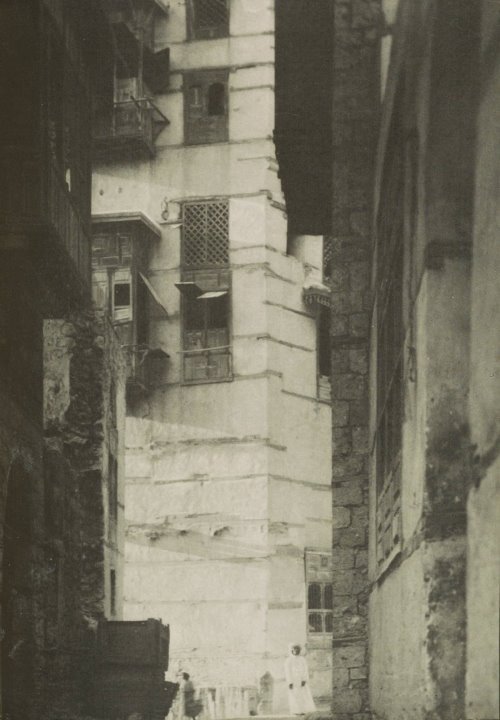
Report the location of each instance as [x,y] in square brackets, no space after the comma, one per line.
[249,359]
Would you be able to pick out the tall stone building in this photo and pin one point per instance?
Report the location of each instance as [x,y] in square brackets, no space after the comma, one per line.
[414,257]
[434,379]
[61,373]
[228,497]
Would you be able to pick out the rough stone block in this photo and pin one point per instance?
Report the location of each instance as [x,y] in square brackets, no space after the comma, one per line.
[347,493]
[340,678]
[361,559]
[348,537]
[358,360]
[341,441]
[340,279]
[340,360]
[359,275]
[353,465]
[359,324]
[356,302]
[340,303]
[339,325]
[343,559]
[349,656]
[349,626]
[360,517]
[360,223]
[360,439]
[348,386]
[340,414]
[348,701]
[344,605]
[346,582]
[341,517]
[358,412]
[358,673]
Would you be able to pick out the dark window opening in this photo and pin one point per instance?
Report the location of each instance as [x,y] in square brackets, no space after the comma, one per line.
[315,623]
[327,258]
[194,315]
[324,344]
[112,497]
[328,597]
[112,588]
[314,596]
[122,294]
[206,322]
[112,403]
[205,107]
[217,312]
[216,99]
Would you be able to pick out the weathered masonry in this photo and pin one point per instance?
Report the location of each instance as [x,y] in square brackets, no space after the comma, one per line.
[412,349]
[61,372]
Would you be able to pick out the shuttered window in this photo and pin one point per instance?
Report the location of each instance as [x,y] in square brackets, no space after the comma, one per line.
[206,107]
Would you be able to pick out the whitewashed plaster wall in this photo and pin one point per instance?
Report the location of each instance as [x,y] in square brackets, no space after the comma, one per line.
[228,482]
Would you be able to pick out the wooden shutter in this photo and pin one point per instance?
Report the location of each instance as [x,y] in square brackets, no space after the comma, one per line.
[199,126]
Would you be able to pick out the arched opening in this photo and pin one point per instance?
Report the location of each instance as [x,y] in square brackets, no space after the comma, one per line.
[216,99]
[16,598]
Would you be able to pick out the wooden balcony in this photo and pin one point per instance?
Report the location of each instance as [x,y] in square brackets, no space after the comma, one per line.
[129,130]
[38,212]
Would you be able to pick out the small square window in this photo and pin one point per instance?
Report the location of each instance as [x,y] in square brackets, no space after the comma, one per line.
[121,295]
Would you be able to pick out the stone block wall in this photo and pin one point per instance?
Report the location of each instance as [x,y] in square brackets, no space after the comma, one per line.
[355,122]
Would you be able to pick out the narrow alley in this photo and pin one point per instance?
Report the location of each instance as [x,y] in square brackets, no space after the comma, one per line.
[249,359]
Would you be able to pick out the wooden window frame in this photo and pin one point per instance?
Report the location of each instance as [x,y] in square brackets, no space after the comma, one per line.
[324,612]
[201,128]
[318,567]
[212,354]
[122,313]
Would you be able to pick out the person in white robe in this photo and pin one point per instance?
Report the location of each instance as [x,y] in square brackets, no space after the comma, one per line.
[297,677]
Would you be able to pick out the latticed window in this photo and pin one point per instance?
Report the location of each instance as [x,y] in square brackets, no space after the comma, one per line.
[206,292]
[205,234]
[208,19]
